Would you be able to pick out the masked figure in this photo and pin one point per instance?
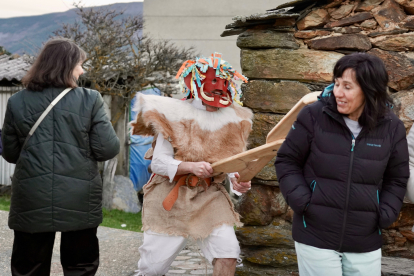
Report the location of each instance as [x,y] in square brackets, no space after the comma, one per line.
[182,199]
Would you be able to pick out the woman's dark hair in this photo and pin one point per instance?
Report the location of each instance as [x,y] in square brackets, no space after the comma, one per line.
[372,77]
[54,65]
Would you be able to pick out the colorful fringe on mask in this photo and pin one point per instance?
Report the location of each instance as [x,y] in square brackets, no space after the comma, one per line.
[200,65]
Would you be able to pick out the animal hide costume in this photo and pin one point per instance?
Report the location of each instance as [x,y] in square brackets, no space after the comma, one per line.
[196,135]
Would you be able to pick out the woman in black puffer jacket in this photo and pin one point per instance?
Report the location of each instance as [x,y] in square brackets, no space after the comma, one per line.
[343,170]
[56,185]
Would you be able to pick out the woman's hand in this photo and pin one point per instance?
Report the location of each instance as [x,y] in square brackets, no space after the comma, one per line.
[241,187]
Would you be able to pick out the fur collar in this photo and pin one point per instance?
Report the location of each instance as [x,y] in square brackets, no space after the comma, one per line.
[177,110]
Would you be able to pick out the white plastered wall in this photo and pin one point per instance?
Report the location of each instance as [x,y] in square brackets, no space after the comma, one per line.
[199,23]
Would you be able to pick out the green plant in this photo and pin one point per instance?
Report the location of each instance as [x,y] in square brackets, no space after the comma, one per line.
[117,218]
[5,203]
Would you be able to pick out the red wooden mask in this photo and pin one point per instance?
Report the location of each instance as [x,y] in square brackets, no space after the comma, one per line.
[214,90]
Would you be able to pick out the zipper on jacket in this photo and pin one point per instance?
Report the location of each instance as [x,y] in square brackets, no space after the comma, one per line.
[379,229]
[348,188]
[312,186]
[303,216]
[350,170]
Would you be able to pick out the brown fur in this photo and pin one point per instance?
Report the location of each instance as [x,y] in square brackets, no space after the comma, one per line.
[243,112]
[194,144]
[140,128]
[158,123]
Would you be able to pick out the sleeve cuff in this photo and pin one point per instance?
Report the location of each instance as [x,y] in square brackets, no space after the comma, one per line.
[172,169]
[230,176]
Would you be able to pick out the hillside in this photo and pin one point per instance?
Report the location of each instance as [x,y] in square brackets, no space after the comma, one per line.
[26,34]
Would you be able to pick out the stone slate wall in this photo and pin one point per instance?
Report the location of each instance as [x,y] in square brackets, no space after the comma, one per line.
[289,53]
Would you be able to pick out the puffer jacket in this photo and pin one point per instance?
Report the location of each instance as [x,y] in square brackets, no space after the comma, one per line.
[56,185]
[342,190]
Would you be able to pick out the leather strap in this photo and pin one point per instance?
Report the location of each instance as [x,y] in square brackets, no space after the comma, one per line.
[44,114]
[191,181]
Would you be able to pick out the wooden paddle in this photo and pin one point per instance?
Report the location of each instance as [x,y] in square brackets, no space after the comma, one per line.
[251,162]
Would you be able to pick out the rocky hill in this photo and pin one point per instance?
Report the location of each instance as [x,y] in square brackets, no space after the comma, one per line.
[20,35]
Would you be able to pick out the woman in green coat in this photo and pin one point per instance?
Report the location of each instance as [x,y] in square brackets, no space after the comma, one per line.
[56,184]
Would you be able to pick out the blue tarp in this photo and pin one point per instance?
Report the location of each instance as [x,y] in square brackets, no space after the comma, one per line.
[138,168]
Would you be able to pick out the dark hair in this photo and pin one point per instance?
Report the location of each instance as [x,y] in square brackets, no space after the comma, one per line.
[372,77]
[54,65]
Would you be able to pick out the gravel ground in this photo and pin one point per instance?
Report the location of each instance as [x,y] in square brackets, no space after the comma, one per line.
[118,254]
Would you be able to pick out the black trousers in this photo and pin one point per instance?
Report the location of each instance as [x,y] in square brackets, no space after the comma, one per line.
[32,253]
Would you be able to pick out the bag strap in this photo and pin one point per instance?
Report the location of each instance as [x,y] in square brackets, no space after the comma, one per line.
[44,114]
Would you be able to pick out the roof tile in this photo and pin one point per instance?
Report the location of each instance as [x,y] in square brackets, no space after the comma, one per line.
[13,68]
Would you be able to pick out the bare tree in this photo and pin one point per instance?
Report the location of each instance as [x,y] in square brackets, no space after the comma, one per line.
[121,60]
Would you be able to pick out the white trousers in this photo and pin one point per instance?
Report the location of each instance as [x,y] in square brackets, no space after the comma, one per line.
[313,261]
[159,250]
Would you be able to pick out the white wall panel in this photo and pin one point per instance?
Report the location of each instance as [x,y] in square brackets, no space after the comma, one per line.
[6,169]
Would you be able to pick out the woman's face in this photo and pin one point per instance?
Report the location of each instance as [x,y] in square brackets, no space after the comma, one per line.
[78,70]
[349,97]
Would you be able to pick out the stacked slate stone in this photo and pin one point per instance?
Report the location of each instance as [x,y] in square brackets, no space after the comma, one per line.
[288,52]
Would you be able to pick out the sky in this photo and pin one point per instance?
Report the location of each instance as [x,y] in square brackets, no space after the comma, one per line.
[17,8]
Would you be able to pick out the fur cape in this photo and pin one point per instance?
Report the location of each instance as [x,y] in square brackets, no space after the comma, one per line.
[196,135]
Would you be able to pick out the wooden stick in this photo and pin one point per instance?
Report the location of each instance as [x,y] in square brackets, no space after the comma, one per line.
[253,168]
[283,127]
[240,162]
